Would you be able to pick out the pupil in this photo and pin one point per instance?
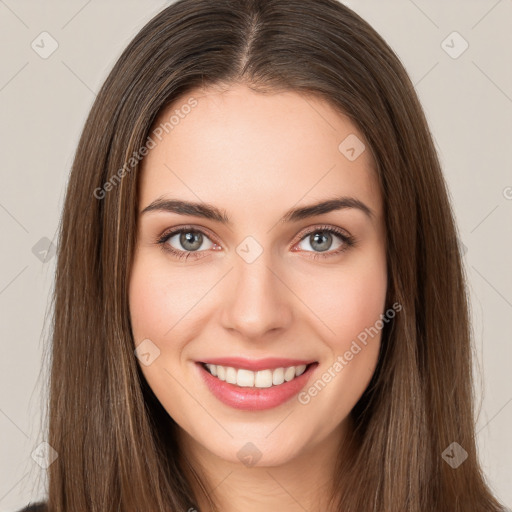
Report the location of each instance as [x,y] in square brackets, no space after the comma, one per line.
[191,240]
[321,241]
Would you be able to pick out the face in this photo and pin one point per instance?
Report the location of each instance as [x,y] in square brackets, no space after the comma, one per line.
[234,269]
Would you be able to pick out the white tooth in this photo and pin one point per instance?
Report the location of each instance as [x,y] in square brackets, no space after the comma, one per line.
[299,370]
[263,379]
[260,379]
[278,376]
[221,372]
[245,378]
[212,369]
[289,373]
[230,375]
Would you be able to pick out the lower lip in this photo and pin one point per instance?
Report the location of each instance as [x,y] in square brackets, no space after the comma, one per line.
[255,399]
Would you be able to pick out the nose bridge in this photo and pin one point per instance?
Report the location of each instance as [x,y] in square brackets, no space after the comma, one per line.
[257,301]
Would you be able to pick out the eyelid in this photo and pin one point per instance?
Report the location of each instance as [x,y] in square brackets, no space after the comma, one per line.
[188,227]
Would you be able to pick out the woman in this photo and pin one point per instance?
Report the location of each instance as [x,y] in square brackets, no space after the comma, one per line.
[259,299]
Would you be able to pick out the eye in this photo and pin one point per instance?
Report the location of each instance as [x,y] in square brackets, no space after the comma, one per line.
[189,240]
[186,242]
[326,240]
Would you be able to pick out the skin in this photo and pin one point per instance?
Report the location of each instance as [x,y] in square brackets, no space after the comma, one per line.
[255,156]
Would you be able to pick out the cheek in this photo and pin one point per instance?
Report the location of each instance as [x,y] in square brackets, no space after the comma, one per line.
[149,305]
[352,307]
[159,300]
[360,304]
[350,303]
[160,297]
[347,300]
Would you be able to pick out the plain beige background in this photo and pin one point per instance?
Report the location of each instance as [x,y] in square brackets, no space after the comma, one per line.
[467,97]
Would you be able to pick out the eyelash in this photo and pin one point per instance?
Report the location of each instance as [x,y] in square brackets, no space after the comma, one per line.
[348,242]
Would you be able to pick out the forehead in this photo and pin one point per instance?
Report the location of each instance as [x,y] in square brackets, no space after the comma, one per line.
[241,148]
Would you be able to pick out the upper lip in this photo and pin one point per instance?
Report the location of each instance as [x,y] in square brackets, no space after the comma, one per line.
[268,363]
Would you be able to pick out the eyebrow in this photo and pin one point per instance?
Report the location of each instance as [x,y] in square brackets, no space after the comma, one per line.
[209,211]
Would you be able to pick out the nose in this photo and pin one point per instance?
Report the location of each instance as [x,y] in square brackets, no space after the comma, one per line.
[259,302]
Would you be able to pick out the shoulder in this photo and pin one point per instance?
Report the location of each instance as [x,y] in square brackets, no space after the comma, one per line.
[36,507]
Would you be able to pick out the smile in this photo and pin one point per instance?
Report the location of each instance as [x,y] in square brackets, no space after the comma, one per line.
[270,384]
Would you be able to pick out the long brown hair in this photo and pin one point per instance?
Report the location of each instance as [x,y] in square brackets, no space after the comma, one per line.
[116,444]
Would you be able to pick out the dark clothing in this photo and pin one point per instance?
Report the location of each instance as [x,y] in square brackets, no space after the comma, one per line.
[36,507]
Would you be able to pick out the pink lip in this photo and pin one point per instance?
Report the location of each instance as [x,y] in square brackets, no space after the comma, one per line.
[255,399]
[269,363]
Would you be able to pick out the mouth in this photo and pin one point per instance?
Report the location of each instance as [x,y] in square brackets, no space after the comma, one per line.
[264,388]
